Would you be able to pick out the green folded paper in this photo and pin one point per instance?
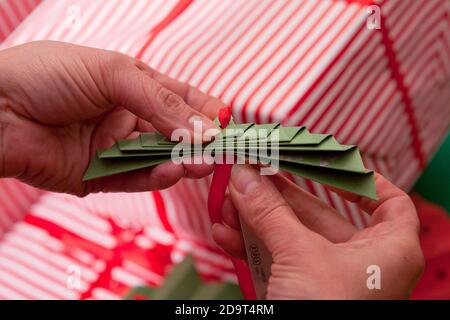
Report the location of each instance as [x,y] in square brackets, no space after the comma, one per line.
[318,157]
[184,283]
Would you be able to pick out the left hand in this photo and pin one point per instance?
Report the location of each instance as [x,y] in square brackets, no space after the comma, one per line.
[59,103]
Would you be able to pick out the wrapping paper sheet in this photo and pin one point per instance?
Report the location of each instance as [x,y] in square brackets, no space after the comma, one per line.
[385,90]
[12,13]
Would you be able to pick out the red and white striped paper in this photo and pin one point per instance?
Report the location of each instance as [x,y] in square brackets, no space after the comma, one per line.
[299,62]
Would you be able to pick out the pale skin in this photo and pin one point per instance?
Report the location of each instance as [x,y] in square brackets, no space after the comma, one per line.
[59,103]
[317,254]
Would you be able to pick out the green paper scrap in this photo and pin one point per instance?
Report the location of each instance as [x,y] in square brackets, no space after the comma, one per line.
[183,283]
[183,280]
[218,291]
[145,293]
[318,157]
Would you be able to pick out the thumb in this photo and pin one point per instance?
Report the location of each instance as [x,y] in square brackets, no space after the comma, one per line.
[148,99]
[265,211]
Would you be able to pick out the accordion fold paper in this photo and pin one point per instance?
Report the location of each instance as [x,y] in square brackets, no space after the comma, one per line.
[318,157]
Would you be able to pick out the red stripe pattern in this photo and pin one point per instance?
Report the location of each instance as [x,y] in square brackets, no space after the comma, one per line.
[312,63]
[12,12]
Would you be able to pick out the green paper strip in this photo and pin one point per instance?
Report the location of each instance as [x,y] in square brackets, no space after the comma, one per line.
[259,130]
[304,137]
[106,167]
[115,152]
[328,143]
[318,157]
[286,134]
[357,183]
[345,161]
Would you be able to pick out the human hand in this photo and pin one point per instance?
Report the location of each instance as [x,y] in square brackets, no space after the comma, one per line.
[59,103]
[317,254]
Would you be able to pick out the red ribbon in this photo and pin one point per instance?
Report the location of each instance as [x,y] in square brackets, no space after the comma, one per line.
[219,184]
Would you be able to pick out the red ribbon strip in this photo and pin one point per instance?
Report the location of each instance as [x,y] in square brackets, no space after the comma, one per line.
[219,184]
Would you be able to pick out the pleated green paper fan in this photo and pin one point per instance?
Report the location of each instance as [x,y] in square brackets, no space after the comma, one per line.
[318,157]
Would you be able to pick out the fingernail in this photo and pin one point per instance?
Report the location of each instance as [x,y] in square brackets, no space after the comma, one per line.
[244,178]
[218,229]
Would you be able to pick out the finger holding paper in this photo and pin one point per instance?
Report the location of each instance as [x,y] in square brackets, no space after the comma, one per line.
[310,259]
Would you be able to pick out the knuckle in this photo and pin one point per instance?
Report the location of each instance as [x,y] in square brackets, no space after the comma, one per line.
[267,211]
[81,193]
[117,60]
[168,99]
[144,67]
[114,69]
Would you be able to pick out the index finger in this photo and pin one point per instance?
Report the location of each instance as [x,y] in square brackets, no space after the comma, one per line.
[198,100]
[136,90]
[392,204]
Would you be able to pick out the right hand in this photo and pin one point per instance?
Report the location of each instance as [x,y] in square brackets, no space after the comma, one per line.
[317,254]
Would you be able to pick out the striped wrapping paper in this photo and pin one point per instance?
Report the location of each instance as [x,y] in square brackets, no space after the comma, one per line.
[12,13]
[299,62]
